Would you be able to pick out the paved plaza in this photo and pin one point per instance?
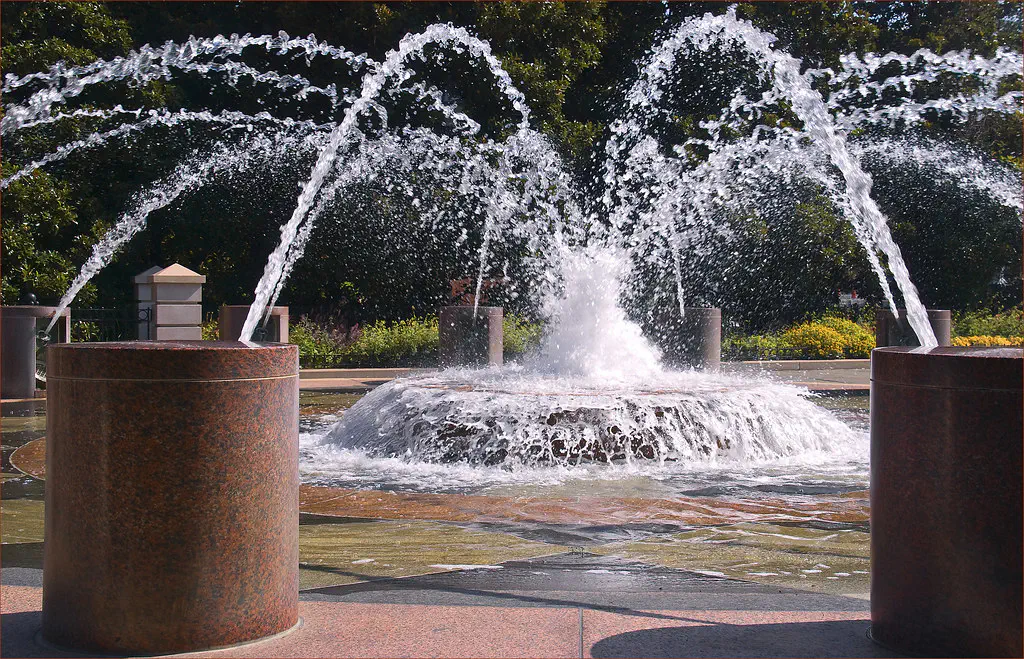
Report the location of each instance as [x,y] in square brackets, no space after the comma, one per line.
[428,574]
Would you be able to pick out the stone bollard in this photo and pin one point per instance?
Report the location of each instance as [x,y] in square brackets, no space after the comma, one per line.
[892,332]
[946,530]
[232,319]
[693,339]
[173,295]
[172,495]
[704,327]
[468,340]
[19,332]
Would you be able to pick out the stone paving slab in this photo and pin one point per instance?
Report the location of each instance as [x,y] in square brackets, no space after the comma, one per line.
[358,630]
[358,373]
[354,629]
[342,384]
[398,630]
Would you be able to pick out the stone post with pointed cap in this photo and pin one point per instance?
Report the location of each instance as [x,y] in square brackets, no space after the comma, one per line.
[174,296]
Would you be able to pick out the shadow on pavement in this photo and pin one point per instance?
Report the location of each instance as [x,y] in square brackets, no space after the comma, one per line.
[841,638]
[18,631]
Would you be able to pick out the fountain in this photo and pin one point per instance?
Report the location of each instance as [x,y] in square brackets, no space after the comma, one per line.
[596,393]
[659,207]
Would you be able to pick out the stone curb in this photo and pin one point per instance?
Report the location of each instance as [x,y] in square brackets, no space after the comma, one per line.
[781,365]
[805,364]
[358,373]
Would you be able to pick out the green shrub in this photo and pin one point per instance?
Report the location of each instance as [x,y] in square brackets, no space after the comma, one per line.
[410,342]
[986,323]
[815,340]
[757,347]
[380,344]
[520,336]
[830,337]
[210,328]
[318,348]
[83,330]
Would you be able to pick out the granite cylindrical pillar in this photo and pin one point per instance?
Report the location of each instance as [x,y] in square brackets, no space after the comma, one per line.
[890,331]
[18,349]
[172,495]
[232,317]
[946,531]
[468,339]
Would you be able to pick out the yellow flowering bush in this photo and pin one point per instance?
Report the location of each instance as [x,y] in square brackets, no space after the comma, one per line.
[983,340]
[857,341]
[816,340]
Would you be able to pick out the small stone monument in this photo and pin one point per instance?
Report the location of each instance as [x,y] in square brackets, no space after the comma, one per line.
[174,297]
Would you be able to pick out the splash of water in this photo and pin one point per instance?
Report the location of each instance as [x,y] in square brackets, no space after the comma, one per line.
[190,174]
[998,182]
[788,82]
[518,186]
[344,134]
[61,83]
[515,419]
[229,120]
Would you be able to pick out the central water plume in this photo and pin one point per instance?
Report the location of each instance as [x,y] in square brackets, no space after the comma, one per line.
[589,332]
[594,392]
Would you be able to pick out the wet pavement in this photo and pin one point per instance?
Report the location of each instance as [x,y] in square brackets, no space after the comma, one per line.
[546,574]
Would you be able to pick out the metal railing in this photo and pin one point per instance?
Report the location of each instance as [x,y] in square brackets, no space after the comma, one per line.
[108,324]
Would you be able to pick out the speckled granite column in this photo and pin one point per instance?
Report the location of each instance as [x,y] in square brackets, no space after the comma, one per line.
[946,531]
[172,495]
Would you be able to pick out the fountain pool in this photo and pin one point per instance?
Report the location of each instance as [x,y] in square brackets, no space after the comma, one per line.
[797,523]
[594,403]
